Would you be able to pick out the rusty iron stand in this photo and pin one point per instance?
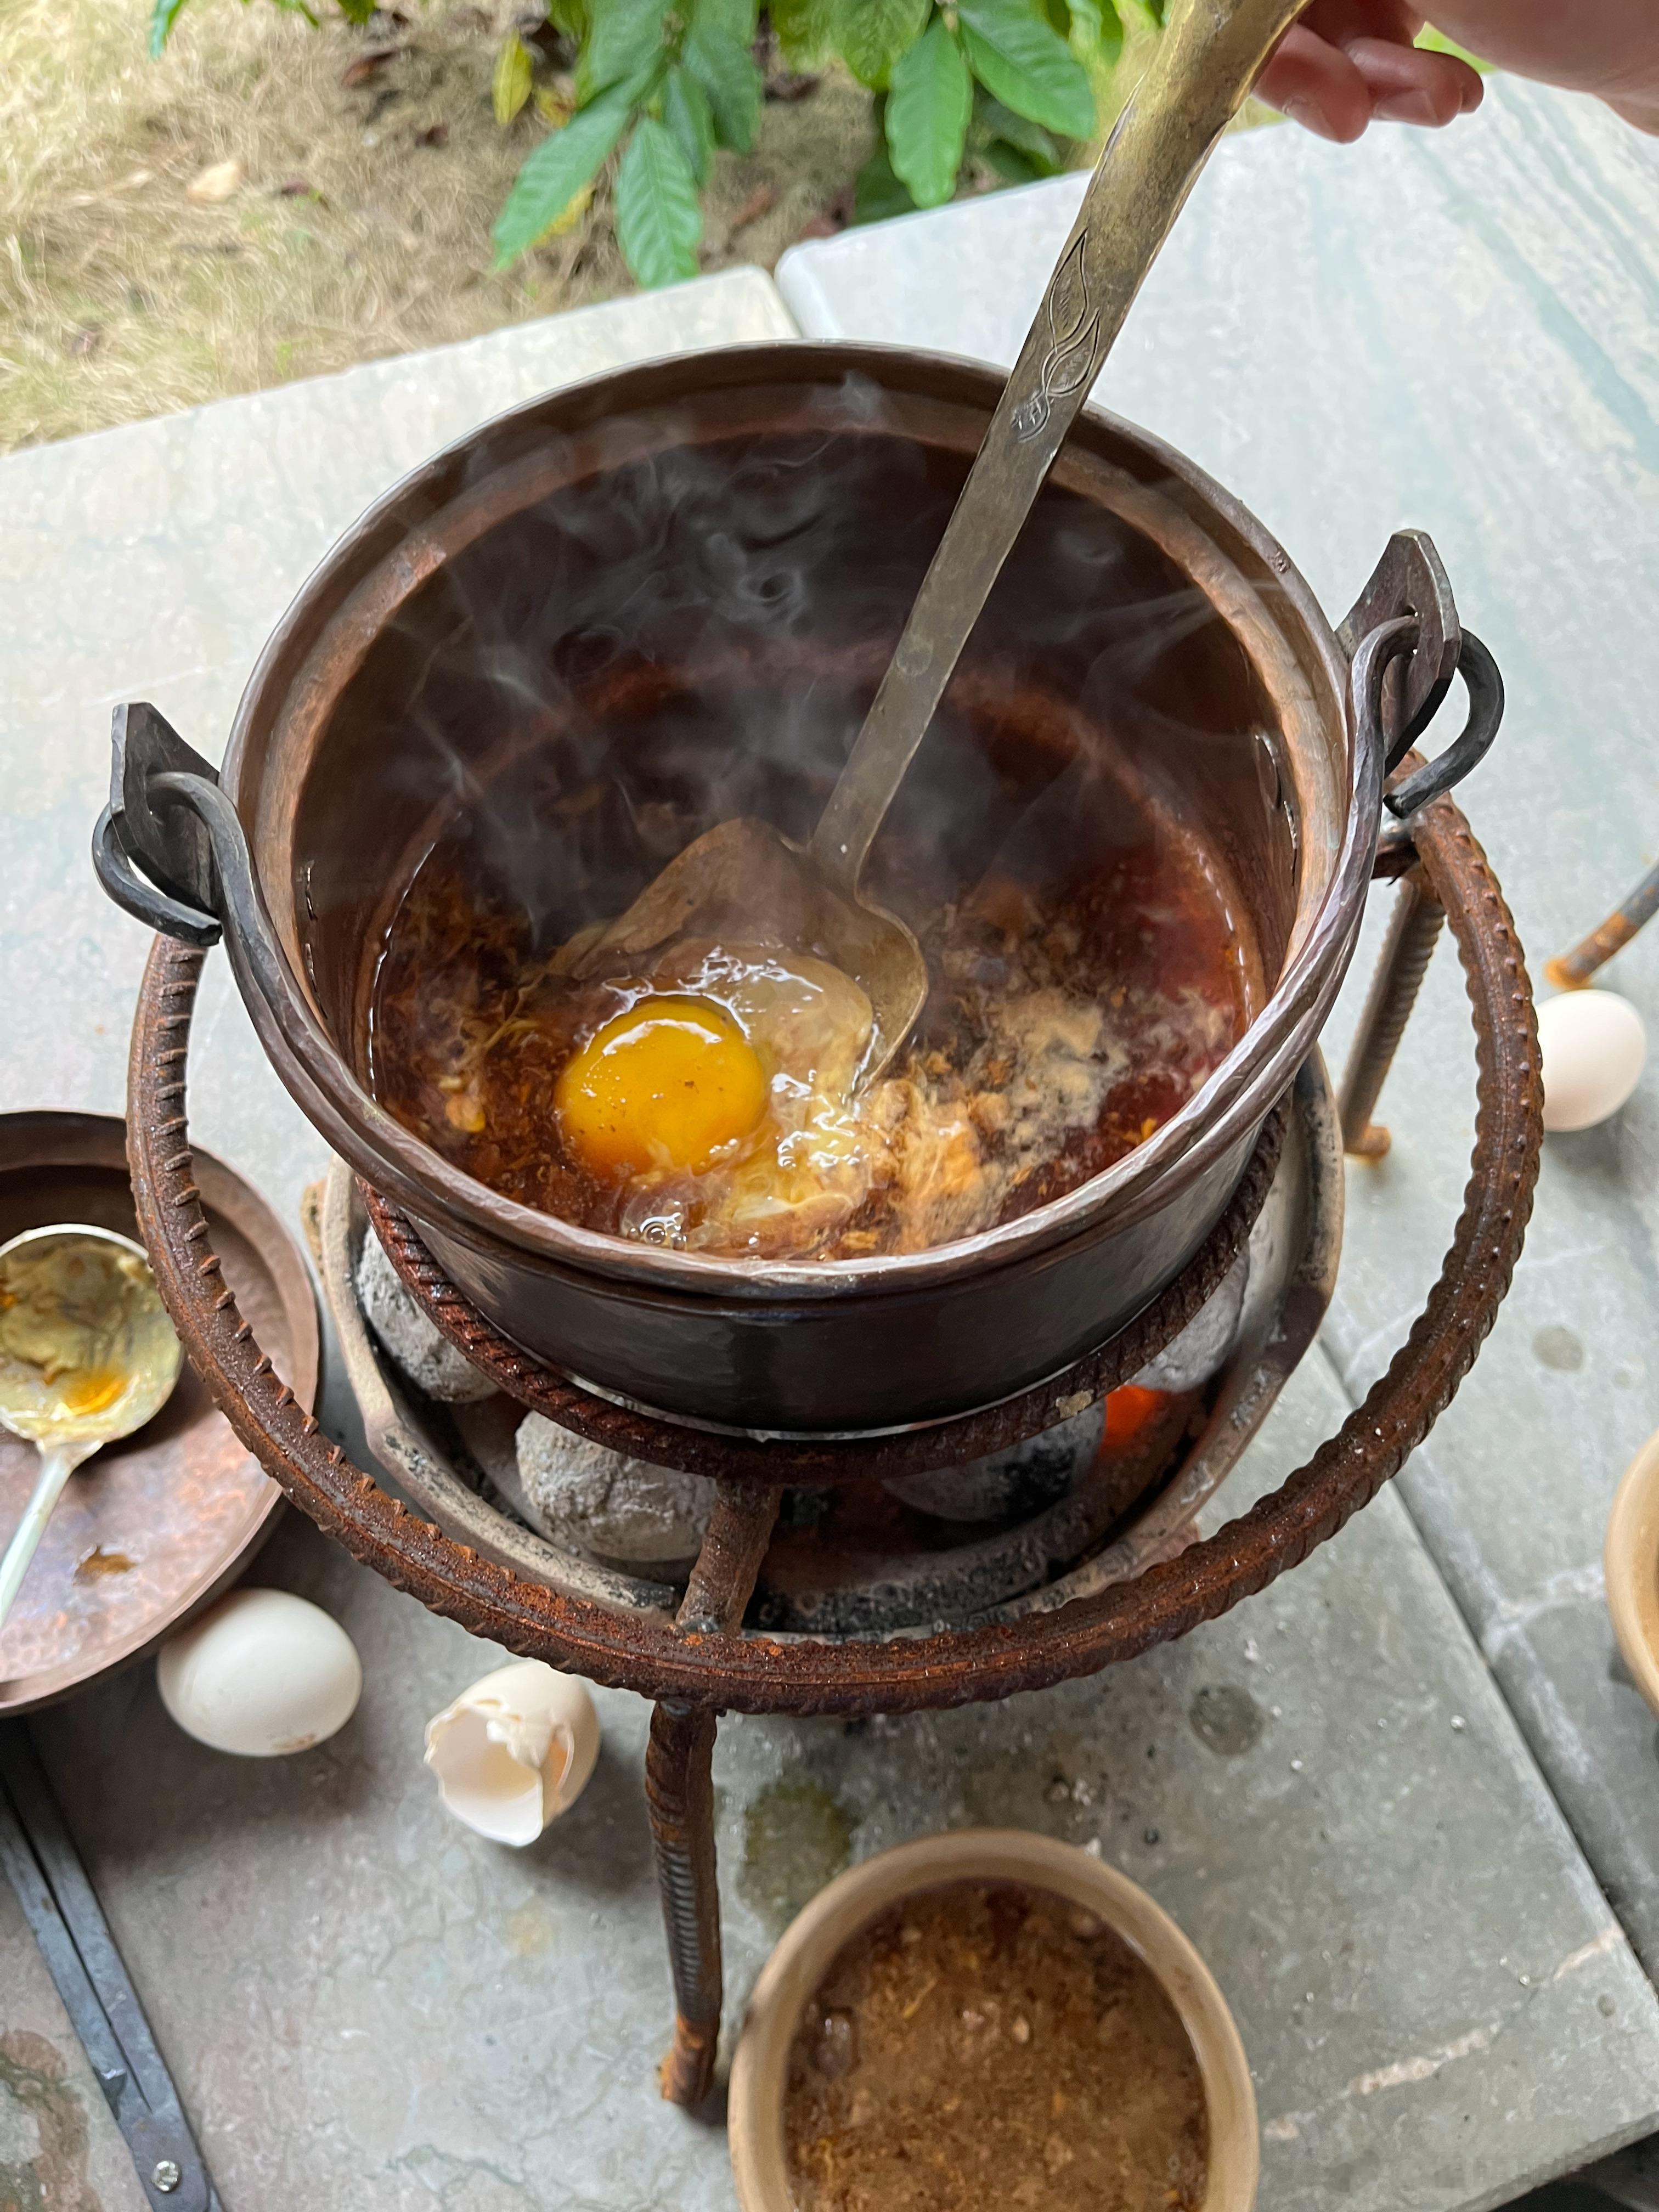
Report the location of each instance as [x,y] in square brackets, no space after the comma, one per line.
[702,1661]
[1571,971]
[1414,930]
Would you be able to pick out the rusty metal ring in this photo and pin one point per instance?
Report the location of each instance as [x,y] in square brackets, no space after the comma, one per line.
[758,1674]
[723,1454]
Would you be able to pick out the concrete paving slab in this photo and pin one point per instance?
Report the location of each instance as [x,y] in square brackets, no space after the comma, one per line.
[370,2006]
[1453,332]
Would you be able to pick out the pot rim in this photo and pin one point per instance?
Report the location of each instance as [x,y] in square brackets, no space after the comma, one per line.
[1232,1100]
[759,2068]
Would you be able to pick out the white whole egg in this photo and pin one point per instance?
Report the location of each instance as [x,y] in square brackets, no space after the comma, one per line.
[261,1672]
[1594,1047]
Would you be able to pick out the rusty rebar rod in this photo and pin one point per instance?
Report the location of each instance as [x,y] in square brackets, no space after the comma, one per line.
[1414,928]
[679,1790]
[1572,970]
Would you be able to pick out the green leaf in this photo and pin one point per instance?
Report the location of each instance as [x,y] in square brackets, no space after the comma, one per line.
[878,193]
[725,70]
[996,127]
[357,11]
[735,17]
[807,30]
[1027,67]
[658,221]
[875,33]
[686,111]
[1096,31]
[561,166]
[166,14]
[623,42]
[1437,42]
[927,110]
[574,17]
[1013,166]
[509,88]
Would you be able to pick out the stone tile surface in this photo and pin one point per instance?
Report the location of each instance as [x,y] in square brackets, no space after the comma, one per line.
[1455,332]
[370,2006]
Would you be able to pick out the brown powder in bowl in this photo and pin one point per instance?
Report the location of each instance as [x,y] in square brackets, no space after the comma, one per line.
[989,2043]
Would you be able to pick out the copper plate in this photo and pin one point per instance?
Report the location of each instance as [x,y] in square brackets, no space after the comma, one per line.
[156,1525]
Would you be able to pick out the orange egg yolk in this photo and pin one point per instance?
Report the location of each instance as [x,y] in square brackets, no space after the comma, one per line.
[667,1083]
[92,1391]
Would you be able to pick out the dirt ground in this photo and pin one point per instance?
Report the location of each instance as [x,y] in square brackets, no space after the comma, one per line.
[361,224]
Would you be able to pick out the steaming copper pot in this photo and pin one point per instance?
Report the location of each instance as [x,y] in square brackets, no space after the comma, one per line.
[683,580]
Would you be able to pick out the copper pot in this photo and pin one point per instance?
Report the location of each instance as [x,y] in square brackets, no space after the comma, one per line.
[687,577]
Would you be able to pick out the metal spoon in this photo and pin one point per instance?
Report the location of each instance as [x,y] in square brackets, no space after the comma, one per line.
[744,877]
[86,1355]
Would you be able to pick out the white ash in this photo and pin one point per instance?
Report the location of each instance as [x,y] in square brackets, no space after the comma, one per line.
[1021,1480]
[1206,1343]
[416,1345]
[601,1502]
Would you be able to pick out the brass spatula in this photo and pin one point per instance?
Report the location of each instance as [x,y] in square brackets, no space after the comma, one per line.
[743,880]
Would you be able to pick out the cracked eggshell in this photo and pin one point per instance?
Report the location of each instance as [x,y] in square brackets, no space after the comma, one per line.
[515,1751]
[260,1673]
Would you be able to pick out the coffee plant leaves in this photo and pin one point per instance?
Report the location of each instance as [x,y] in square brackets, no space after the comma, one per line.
[1097,30]
[735,17]
[625,38]
[658,221]
[686,111]
[808,31]
[725,70]
[928,104]
[878,192]
[1027,66]
[509,88]
[875,33]
[564,162]
[1002,134]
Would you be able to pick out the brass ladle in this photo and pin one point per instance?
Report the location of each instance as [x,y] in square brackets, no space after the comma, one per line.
[745,878]
[86,1355]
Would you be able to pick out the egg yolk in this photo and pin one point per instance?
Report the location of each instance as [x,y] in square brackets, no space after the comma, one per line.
[667,1083]
[91,1390]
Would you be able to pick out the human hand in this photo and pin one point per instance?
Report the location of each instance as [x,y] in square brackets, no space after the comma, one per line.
[1349,63]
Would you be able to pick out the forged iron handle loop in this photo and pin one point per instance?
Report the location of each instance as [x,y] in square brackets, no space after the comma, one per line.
[1485,686]
[1375,654]
[136,895]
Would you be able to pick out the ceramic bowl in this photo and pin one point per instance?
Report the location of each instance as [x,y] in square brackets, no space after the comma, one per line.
[760,2069]
[1630,1559]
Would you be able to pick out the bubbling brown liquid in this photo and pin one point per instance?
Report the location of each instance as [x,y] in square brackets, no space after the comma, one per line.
[989,2043]
[1074,1006]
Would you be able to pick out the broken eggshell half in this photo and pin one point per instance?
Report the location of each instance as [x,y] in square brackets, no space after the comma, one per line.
[515,1751]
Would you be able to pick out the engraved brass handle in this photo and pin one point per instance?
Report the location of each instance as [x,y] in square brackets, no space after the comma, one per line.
[1204,65]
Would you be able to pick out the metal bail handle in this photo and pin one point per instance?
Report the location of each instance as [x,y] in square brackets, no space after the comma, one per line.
[152,852]
[1485,686]
[1406,642]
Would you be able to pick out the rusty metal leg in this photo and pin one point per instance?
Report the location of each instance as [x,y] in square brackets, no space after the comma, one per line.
[679,1790]
[1413,929]
[1572,970]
